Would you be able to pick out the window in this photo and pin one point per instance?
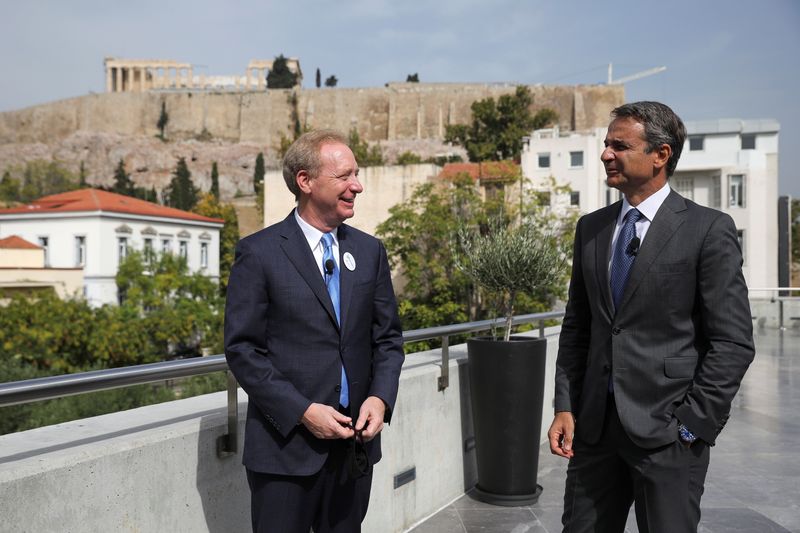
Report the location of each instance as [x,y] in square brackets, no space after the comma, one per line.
[80,250]
[748,141]
[183,249]
[544,160]
[44,242]
[203,255]
[716,192]
[122,248]
[696,143]
[736,190]
[576,159]
[575,198]
[685,187]
[612,195]
[148,251]
[166,246]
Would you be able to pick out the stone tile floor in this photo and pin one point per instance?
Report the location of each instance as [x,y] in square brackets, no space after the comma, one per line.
[752,482]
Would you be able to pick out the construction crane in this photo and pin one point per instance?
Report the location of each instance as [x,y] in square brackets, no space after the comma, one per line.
[624,79]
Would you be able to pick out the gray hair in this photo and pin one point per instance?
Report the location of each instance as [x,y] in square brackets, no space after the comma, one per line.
[303,154]
[661,126]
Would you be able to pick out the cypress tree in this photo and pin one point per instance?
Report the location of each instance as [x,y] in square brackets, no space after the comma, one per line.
[214,180]
[181,192]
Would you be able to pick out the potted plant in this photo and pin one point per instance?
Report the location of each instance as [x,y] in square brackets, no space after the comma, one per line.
[507,375]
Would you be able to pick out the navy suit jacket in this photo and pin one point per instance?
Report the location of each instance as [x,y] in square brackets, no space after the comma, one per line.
[284,346]
[681,341]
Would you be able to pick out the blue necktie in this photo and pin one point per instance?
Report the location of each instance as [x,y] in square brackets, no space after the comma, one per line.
[332,282]
[623,256]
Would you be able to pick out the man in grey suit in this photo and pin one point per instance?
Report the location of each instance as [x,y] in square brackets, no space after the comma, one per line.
[656,339]
[313,336]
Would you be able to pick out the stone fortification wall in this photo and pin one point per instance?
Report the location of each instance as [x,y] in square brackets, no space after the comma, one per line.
[395,112]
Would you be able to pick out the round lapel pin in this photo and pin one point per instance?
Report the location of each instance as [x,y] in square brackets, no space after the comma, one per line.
[349,261]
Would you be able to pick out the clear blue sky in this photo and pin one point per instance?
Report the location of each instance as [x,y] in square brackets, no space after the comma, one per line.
[724,59]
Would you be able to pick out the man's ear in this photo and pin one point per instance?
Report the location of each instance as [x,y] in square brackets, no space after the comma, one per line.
[662,155]
[303,180]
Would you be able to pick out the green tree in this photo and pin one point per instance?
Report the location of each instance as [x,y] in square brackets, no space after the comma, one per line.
[319,79]
[366,155]
[181,192]
[412,78]
[163,120]
[280,77]
[210,206]
[331,81]
[42,178]
[82,176]
[498,126]
[9,188]
[259,172]
[408,158]
[214,181]
[123,184]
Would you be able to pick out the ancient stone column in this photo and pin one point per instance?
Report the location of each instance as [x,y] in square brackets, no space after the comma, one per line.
[118,79]
[109,81]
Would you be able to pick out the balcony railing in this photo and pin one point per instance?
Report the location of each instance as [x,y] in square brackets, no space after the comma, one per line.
[47,388]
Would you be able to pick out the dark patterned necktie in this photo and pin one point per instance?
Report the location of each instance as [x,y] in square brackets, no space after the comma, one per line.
[623,256]
[332,283]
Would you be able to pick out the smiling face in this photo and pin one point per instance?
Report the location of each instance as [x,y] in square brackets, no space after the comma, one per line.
[328,199]
[630,168]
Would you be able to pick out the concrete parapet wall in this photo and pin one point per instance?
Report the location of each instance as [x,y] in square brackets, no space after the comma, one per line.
[154,469]
[397,111]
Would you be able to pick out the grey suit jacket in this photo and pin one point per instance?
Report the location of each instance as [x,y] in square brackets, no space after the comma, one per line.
[679,344]
[284,345]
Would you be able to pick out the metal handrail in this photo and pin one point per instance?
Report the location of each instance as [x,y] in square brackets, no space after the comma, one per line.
[51,387]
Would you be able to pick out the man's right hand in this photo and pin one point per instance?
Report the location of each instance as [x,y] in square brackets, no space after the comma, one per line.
[560,434]
[325,422]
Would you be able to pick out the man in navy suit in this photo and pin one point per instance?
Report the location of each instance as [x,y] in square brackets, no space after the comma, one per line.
[656,339]
[313,336]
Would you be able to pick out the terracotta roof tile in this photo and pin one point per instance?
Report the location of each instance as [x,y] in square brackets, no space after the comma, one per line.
[99,200]
[18,243]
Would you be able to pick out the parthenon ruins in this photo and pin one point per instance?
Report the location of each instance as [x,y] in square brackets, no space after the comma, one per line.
[141,75]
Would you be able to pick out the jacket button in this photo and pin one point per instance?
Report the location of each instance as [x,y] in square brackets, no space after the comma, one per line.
[338,388]
[616,331]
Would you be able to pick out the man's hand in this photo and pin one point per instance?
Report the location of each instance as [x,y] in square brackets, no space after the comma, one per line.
[560,434]
[325,422]
[370,418]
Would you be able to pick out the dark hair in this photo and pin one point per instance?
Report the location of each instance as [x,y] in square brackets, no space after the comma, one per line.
[303,154]
[661,126]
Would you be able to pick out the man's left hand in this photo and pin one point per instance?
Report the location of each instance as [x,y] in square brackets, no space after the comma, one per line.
[370,418]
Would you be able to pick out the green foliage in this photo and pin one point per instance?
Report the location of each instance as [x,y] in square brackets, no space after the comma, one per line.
[419,234]
[181,192]
[442,160]
[214,181]
[318,79]
[331,81]
[36,179]
[259,172]
[123,184]
[507,259]
[366,155]
[280,77]
[82,176]
[210,206]
[498,126]
[163,120]
[9,188]
[408,158]
[412,78]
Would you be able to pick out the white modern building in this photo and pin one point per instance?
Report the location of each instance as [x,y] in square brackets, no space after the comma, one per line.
[94,230]
[727,164]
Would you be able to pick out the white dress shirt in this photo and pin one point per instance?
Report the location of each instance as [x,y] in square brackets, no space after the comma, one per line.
[648,208]
[314,238]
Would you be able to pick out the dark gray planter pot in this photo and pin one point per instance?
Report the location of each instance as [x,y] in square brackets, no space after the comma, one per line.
[507,389]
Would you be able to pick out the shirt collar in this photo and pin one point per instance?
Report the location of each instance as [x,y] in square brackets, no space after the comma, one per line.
[312,234]
[649,207]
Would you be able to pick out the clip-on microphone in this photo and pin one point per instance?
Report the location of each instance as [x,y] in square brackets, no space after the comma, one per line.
[633,247]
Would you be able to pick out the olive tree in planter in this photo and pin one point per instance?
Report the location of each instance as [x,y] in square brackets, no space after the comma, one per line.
[507,376]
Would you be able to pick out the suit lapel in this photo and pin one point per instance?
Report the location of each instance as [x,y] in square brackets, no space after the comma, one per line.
[603,256]
[295,246]
[668,219]
[346,276]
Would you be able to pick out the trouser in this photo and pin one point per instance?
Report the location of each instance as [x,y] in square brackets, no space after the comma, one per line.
[604,479]
[329,501]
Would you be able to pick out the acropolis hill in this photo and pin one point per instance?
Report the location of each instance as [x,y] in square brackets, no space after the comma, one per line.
[232,124]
